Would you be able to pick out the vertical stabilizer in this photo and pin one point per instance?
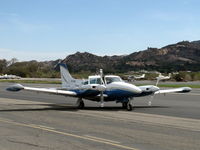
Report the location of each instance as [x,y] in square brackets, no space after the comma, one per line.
[66,78]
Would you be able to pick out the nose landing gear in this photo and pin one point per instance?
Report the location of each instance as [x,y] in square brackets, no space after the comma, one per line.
[128,105]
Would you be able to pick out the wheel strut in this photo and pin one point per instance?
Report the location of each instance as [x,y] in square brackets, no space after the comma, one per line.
[129,106]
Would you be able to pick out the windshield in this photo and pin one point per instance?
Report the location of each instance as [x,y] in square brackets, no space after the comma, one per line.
[113,79]
[85,83]
[95,81]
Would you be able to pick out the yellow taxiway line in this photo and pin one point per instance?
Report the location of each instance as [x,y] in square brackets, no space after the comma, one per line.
[49,129]
[103,139]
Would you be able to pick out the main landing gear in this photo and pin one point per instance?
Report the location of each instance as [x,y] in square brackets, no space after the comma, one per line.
[80,104]
[128,105]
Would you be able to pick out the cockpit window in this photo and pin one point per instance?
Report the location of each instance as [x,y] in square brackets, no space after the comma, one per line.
[113,79]
[85,83]
[95,81]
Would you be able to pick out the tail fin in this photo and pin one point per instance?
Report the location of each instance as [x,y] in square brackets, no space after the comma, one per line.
[66,78]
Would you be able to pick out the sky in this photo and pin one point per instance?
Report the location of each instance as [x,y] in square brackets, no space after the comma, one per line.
[52,29]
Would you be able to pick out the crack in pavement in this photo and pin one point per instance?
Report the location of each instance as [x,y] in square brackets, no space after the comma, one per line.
[27,143]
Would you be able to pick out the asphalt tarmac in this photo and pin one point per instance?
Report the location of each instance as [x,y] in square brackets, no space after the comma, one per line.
[40,121]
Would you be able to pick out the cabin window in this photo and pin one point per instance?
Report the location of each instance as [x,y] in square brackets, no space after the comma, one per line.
[85,83]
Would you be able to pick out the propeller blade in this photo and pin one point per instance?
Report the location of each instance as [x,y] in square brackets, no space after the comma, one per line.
[102,99]
[103,88]
[151,99]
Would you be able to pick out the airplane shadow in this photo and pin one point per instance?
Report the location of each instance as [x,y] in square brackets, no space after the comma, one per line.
[63,107]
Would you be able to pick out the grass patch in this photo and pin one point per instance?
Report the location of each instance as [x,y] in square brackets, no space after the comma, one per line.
[176,85]
[59,82]
[32,81]
[179,85]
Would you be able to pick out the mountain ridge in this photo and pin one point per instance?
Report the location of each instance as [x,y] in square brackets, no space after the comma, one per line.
[181,56]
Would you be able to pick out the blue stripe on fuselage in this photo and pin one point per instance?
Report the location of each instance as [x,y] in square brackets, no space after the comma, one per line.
[118,94]
[86,93]
[112,95]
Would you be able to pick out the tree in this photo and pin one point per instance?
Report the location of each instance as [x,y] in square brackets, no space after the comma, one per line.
[12,61]
[3,64]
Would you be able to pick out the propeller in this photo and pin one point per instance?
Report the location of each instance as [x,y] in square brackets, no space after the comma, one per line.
[151,99]
[103,87]
[152,96]
[153,89]
[157,81]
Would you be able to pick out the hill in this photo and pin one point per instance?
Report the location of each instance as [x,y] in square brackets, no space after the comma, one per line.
[182,56]
[89,62]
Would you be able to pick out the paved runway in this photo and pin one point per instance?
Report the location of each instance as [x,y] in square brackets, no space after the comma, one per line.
[41,121]
[179,105]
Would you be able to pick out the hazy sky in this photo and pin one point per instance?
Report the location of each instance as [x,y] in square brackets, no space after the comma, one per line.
[51,29]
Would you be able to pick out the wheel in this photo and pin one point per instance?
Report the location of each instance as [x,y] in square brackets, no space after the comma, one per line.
[129,107]
[124,104]
[81,105]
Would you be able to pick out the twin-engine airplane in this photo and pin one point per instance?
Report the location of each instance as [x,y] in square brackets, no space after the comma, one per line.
[99,88]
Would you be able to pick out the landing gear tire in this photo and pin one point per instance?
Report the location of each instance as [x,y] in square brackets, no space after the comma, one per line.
[80,104]
[129,107]
[124,104]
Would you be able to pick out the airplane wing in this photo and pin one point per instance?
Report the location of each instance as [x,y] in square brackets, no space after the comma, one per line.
[175,90]
[18,87]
